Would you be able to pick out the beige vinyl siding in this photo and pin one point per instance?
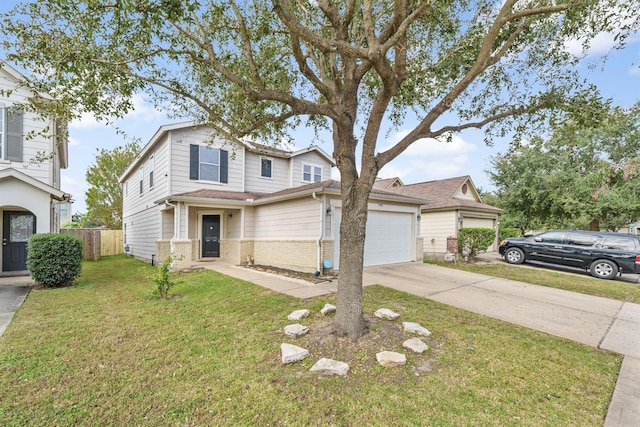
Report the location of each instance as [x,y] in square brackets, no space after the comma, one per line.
[435,228]
[180,142]
[32,125]
[143,228]
[257,184]
[311,158]
[291,220]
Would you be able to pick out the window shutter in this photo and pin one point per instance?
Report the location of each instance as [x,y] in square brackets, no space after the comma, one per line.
[224,166]
[14,134]
[194,161]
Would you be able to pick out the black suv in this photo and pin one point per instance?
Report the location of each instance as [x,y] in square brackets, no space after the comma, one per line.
[604,255]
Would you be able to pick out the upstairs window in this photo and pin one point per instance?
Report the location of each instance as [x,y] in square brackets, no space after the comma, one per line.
[141,178]
[266,165]
[311,173]
[151,168]
[208,164]
[11,134]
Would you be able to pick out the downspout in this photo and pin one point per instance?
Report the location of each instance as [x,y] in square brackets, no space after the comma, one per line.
[175,230]
[321,236]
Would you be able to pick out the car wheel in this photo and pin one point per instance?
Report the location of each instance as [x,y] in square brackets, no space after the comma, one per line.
[603,269]
[514,256]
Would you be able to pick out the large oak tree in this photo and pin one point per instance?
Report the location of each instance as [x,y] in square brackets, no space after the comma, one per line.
[262,68]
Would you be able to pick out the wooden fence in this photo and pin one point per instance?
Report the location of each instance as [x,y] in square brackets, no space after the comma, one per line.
[98,242]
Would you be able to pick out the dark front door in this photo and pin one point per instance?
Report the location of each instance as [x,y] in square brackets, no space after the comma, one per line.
[210,236]
[16,230]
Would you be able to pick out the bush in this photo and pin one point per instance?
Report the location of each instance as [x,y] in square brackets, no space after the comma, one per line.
[472,241]
[54,260]
[507,232]
[161,279]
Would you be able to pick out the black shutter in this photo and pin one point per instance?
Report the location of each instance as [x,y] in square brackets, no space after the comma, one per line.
[14,134]
[224,166]
[194,161]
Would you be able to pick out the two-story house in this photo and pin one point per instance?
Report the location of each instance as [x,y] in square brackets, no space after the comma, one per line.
[198,196]
[33,149]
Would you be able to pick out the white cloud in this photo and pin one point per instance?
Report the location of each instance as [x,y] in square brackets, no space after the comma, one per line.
[142,111]
[429,159]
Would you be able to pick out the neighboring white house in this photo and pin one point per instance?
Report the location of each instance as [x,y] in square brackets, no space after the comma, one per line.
[197,196]
[454,203]
[30,197]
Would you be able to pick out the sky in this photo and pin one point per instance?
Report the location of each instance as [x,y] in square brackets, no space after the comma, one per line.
[466,154]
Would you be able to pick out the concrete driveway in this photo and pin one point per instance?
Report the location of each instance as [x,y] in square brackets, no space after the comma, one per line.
[11,297]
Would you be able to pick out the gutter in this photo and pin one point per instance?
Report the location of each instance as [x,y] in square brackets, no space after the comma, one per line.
[321,236]
[176,223]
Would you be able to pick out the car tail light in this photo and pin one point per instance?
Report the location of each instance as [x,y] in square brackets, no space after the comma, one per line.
[637,259]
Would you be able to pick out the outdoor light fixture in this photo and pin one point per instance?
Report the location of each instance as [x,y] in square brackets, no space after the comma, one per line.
[230,215]
[329,212]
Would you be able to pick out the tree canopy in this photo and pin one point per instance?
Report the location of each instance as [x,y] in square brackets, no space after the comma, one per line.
[262,68]
[104,196]
[582,177]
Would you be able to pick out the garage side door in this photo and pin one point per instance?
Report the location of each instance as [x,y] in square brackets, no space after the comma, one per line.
[389,238]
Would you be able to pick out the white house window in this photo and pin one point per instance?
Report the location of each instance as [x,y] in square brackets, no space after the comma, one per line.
[266,166]
[11,134]
[151,169]
[311,173]
[141,178]
[64,210]
[208,164]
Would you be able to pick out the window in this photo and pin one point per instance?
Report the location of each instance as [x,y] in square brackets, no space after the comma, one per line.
[265,167]
[555,237]
[64,210]
[208,164]
[620,244]
[580,239]
[141,178]
[311,173]
[11,134]
[151,167]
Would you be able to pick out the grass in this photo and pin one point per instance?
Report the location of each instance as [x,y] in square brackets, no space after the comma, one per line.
[108,352]
[575,282]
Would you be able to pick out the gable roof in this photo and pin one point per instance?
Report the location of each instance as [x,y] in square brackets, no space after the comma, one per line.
[329,186]
[383,184]
[11,173]
[441,194]
[253,147]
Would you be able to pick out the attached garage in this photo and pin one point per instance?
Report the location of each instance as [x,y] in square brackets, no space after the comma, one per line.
[391,237]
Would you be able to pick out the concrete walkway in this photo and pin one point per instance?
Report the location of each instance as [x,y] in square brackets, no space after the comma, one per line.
[598,322]
[13,292]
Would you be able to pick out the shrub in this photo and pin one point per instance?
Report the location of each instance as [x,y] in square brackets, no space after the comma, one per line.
[161,279]
[54,260]
[472,241]
[507,232]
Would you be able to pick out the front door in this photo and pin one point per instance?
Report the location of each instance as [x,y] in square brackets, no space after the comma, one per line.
[210,236]
[16,230]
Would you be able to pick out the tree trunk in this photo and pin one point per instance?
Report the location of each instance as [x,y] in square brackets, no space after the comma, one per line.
[349,320]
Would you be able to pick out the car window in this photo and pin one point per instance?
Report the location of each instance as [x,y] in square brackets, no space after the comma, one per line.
[619,243]
[551,237]
[581,239]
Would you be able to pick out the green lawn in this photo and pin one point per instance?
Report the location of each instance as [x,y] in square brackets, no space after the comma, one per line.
[108,352]
[582,283]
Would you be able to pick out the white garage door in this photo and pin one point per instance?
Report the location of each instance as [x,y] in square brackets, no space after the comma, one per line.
[389,238]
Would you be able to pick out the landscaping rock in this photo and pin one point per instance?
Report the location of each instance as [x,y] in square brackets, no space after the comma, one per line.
[293,353]
[330,367]
[391,359]
[416,328]
[386,314]
[296,330]
[328,309]
[416,345]
[299,314]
